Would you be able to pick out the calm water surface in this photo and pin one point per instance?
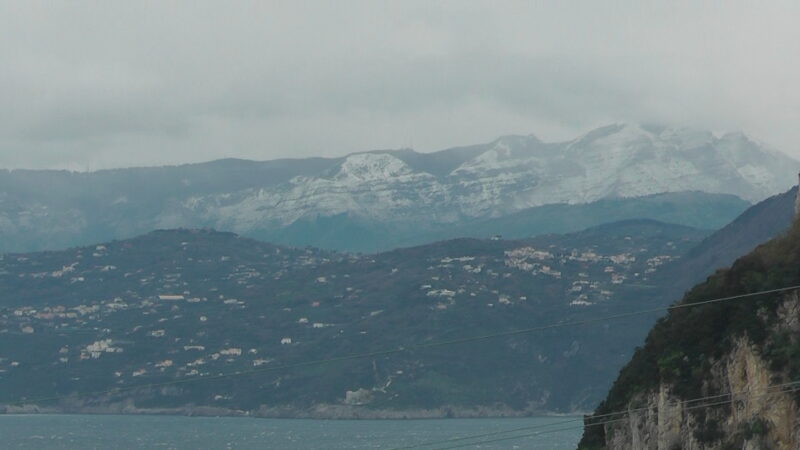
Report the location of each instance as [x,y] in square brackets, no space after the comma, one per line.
[168,432]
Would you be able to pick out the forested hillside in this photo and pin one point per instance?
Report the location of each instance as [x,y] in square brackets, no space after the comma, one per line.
[184,305]
[740,358]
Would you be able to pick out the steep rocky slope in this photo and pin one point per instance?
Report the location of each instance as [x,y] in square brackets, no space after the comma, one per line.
[383,194]
[758,224]
[172,306]
[733,354]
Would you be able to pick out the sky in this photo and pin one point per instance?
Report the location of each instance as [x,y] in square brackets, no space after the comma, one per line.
[86,85]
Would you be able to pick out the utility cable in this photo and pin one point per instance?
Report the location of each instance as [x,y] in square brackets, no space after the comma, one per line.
[592,417]
[785,387]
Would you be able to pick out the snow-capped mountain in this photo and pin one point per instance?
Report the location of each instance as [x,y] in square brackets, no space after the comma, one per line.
[385,189]
[514,173]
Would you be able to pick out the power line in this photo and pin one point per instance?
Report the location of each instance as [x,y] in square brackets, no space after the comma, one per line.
[402,349]
[598,416]
[509,438]
[785,387]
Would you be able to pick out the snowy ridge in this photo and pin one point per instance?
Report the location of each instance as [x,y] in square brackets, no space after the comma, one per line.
[383,190]
[520,172]
[372,166]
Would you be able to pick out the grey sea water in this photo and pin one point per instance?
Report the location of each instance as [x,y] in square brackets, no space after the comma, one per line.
[170,432]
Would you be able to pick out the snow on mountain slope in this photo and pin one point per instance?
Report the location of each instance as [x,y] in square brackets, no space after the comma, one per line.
[389,188]
[371,166]
[518,172]
[375,186]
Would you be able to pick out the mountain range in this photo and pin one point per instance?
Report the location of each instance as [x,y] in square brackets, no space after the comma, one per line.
[380,200]
[634,208]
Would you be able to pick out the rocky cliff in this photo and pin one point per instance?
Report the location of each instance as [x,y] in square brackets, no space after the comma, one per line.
[717,376]
[763,415]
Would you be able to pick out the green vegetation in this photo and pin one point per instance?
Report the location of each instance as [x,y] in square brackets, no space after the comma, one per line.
[239,299]
[343,232]
[680,348]
[755,428]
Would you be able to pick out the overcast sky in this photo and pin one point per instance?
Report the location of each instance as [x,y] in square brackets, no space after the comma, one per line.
[89,85]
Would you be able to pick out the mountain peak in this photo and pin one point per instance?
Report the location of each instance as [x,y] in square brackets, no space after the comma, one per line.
[735,136]
[614,133]
[372,166]
[618,133]
[505,153]
[517,139]
[483,181]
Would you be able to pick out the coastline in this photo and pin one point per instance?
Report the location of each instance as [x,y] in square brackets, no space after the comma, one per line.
[317,412]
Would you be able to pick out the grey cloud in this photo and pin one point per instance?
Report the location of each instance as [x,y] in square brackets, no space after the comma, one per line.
[88,85]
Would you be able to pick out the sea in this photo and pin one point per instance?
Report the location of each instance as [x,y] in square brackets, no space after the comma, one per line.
[116,432]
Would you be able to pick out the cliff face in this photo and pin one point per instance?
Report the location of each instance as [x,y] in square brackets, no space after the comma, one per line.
[741,357]
[761,417]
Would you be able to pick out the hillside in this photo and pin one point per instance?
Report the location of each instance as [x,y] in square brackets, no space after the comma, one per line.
[176,305]
[378,200]
[732,352]
[346,233]
[755,226]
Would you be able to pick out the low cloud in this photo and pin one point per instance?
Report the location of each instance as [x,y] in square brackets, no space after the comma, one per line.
[94,85]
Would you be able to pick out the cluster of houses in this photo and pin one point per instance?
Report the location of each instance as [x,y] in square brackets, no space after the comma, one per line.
[170,313]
